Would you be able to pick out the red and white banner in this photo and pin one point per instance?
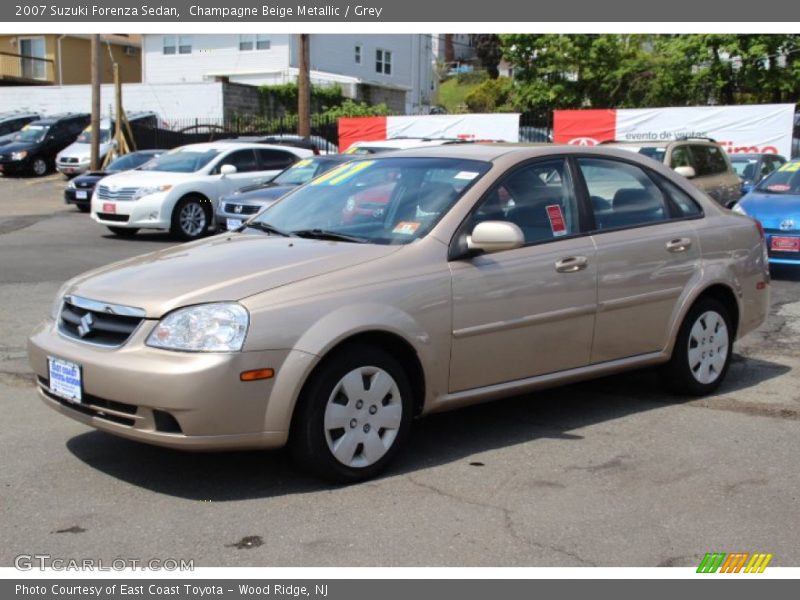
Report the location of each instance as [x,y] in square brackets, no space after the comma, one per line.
[494,126]
[750,128]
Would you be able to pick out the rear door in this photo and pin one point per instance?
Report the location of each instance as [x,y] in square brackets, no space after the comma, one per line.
[647,253]
[247,171]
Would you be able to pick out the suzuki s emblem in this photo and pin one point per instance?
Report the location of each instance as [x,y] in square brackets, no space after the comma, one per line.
[787,225]
[85,328]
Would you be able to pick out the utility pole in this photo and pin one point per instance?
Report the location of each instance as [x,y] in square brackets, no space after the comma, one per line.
[95,124]
[304,88]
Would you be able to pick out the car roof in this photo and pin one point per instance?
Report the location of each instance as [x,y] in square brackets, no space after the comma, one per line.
[408,142]
[226,146]
[659,143]
[18,115]
[62,117]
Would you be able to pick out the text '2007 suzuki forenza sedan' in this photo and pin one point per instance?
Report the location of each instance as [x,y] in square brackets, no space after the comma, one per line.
[485,271]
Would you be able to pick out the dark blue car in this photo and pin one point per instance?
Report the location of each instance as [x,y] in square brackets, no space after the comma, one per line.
[775,203]
[753,167]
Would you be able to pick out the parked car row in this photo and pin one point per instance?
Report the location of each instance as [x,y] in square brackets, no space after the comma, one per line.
[34,148]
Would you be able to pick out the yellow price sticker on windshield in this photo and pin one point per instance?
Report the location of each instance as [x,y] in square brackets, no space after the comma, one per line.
[342,173]
[303,163]
[790,167]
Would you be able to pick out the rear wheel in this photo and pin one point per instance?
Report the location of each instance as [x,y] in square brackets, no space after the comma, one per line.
[38,166]
[190,219]
[123,231]
[702,351]
[353,415]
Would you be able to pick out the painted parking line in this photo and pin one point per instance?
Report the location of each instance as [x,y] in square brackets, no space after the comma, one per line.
[48,179]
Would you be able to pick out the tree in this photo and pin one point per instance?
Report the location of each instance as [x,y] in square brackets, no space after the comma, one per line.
[489,51]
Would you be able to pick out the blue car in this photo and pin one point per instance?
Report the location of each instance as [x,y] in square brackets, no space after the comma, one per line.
[752,167]
[775,203]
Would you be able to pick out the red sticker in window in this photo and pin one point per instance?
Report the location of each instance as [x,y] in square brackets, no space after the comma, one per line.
[556,217]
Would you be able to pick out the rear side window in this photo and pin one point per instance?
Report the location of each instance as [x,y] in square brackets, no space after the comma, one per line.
[680,157]
[708,160]
[622,194]
[272,160]
[687,207]
[243,160]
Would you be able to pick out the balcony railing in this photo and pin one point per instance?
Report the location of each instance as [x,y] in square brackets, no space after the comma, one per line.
[18,68]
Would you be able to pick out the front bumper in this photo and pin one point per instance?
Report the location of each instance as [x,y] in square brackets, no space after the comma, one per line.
[149,212]
[246,210]
[71,196]
[72,168]
[14,167]
[127,390]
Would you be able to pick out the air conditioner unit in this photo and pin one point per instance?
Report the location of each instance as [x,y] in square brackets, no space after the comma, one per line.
[130,51]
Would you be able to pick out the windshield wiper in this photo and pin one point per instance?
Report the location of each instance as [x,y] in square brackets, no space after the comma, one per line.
[265,227]
[325,234]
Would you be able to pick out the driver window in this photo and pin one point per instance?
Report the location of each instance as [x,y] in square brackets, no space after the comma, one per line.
[539,198]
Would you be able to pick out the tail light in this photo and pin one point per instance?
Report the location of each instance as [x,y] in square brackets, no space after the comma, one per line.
[760,228]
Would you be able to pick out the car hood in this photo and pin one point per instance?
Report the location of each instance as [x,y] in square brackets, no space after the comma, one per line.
[91,177]
[80,150]
[136,178]
[265,194]
[772,209]
[226,267]
[18,146]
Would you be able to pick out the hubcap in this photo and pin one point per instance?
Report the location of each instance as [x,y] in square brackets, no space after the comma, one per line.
[39,166]
[708,347]
[363,416]
[192,219]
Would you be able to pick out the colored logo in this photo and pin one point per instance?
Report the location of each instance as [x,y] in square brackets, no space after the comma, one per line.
[736,562]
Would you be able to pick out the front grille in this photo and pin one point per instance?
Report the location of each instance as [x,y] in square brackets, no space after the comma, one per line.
[113,217]
[117,194]
[84,184]
[69,160]
[94,407]
[246,209]
[80,321]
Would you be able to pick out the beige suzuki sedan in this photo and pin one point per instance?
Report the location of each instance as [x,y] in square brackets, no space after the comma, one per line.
[403,285]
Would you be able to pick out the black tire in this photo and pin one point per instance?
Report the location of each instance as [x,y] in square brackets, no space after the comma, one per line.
[684,374]
[84,208]
[126,232]
[311,438]
[39,166]
[191,218]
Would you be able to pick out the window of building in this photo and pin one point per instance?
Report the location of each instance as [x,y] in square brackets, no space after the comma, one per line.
[383,61]
[245,43]
[249,42]
[170,45]
[185,44]
[358,54]
[262,42]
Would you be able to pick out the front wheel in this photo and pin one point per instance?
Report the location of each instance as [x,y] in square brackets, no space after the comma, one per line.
[84,208]
[38,166]
[353,415]
[702,351]
[190,219]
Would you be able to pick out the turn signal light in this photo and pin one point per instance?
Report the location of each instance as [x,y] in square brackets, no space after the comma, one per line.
[257,374]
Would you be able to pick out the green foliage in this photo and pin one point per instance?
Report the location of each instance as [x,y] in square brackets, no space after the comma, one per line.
[493,95]
[277,99]
[623,70]
[351,108]
[472,77]
[452,95]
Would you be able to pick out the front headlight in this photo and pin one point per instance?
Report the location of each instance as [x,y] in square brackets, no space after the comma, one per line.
[19,155]
[219,327]
[738,209]
[71,184]
[146,191]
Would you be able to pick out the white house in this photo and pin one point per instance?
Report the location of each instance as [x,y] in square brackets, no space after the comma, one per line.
[395,69]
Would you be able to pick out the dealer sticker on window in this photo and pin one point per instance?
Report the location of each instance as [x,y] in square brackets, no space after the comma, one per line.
[557,224]
[406,227]
[65,379]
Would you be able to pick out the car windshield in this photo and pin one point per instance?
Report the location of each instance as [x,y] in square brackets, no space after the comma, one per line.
[32,133]
[379,201]
[129,161]
[740,164]
[785,180]
[653,152]
[181,161]
[304,171]
[86,136]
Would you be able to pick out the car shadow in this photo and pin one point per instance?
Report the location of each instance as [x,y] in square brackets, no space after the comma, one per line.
[436,440]
[785,272]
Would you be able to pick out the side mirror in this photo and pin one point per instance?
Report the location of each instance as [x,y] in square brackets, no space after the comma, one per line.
[687,172]
[495,236]
[226,170]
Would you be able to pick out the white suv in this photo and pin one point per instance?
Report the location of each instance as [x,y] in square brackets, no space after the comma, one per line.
[177,191]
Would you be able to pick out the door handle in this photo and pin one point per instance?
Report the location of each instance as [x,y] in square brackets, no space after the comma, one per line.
[679,245]
[571,264]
